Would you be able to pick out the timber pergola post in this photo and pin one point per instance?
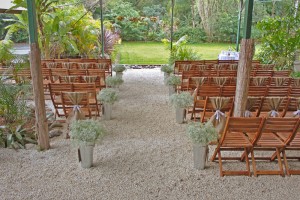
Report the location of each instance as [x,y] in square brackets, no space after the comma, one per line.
[245,63]
[37,81]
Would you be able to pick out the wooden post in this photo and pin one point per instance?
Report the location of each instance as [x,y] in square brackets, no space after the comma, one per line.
[243,77]
[37,81]
[245,64]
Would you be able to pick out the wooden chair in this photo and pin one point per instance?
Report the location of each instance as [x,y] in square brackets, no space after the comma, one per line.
[268,140]
[56,72]
[289,134]
[101,74]
[55,90]
[233,138]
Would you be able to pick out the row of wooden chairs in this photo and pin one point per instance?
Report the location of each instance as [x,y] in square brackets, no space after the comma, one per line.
[103,64]
[258,91]
[249,135]
[194,82]
[231,73]
[58,100]
[203,109]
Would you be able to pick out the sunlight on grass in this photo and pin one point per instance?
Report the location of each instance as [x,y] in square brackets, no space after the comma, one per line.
[156,52]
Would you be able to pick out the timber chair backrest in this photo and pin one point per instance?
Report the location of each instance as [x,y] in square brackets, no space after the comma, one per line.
[282,73]
[274,106]
[56,88]
[264,66]
[282,91]
[257,91]
[83,103]
[77,72]
[295,91]
[228,91]
[100,73]
[56,72]
[69,79]
[208,91]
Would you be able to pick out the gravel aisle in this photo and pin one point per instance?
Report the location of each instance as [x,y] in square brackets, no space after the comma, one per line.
[146,156]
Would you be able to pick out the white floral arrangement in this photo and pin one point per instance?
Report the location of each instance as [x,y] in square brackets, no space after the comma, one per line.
[86,131]
[202,133]
[168,69]
[119,68]
[182,100]
[113,81]
[174,80]
[108,95]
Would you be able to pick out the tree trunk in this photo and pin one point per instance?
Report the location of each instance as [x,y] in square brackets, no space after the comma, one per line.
[39,99]
[243,76]
[193,13]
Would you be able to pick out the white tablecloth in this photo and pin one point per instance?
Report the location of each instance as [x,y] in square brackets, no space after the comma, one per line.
[228,55]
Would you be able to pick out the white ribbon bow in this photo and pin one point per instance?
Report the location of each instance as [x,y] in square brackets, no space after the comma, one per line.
[274,113]
[218,114]
[76,108]
[247,113]
[296,113]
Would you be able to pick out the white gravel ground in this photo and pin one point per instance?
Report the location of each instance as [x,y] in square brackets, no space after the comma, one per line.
[146,156]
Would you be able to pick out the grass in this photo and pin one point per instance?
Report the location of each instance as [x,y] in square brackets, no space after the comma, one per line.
[156,52]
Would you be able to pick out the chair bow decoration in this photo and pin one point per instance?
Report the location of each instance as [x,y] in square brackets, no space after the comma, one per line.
[199,80]
[51,65]
[89,79]
[218,119]
[279,81]
[297,112]
[274,104]
[251,101]
[259,80]
[296,81]
[76,98]
[219,114]
[186,67]
[220,80]
[66,65]
[69,79]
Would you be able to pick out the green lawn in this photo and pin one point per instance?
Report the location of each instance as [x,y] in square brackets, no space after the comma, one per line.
[156,53]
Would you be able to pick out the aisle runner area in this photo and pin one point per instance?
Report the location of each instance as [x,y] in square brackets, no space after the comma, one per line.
[146,156]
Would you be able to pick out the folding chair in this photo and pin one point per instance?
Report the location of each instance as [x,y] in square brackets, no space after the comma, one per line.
[233,138]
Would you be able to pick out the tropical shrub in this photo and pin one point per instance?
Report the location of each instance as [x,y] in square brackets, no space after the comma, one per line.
[181,51]
[6,55]
[279,41]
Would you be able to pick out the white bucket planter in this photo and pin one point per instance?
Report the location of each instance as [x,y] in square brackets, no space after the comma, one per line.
[200,155]
[119,74]
[166,76]
[180,115]
[86,154]
[171,90]
[107,111]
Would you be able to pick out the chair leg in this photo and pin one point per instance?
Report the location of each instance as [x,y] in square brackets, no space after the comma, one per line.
[287,170]
[253,163]
[279,162]
[213,157]
[247,161]
[220,163]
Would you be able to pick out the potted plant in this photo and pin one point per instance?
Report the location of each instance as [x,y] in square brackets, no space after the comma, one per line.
[119,69]
[107,97]
[113,81]
[167,69]
[201,134]
[173,82]
[181,101]
[84,133]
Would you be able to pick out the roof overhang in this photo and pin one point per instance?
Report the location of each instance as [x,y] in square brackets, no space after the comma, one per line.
[5,6]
